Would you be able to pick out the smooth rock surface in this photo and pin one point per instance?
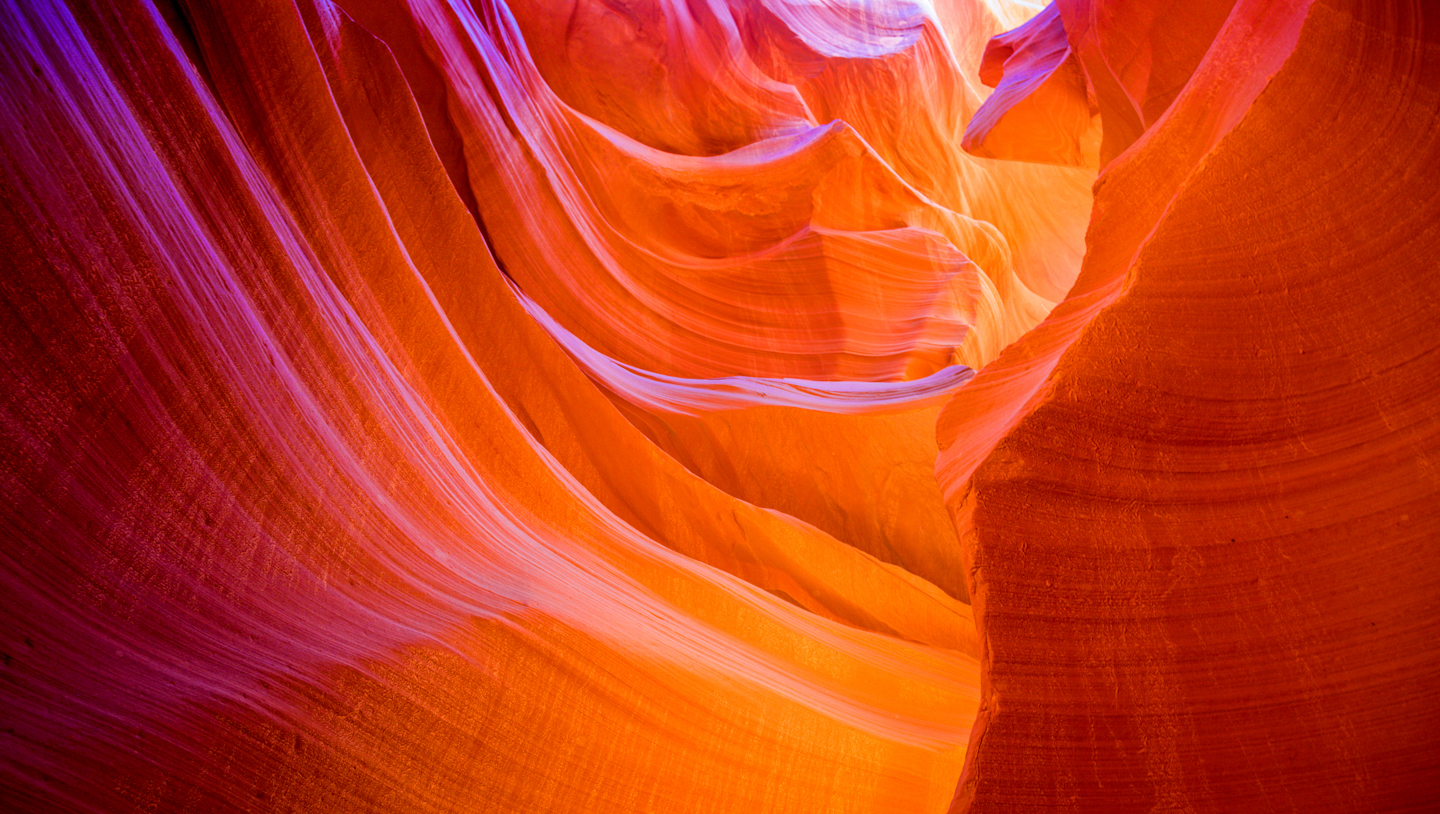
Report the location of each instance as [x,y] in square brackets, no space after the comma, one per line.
[719,405]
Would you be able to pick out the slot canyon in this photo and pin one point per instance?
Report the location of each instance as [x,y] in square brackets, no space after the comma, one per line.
[611,406]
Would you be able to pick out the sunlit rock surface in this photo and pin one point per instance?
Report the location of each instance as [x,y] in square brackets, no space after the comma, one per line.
[461,405]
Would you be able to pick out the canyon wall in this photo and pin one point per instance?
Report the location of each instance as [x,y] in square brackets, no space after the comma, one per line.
[718,405]
[1198,504]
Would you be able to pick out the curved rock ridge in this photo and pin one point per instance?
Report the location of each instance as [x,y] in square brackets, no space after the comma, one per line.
[657,392]
[1196,503]
[854,458]
[1041,109]
[304,508]
[705,406]
[804,255]
[304,511]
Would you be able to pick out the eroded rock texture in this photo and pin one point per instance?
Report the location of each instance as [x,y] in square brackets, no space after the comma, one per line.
[1198,503]
[471,405]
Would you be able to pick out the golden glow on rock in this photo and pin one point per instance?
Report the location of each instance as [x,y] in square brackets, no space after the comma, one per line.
[720,405]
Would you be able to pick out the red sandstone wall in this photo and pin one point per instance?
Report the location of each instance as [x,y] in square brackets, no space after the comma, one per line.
[1203,553]
[431,406]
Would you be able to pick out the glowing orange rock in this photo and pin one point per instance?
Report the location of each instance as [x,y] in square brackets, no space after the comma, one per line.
[1040,110]
[306,512]
[414,405]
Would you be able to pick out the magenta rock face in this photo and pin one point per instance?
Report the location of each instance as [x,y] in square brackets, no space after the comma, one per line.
[719,406]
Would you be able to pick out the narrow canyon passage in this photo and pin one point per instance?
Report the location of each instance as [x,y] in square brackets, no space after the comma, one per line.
[719,405]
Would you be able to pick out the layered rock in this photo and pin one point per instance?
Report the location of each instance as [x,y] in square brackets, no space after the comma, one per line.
[309,505]
[304,511]
[428,405]
[1196,503]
